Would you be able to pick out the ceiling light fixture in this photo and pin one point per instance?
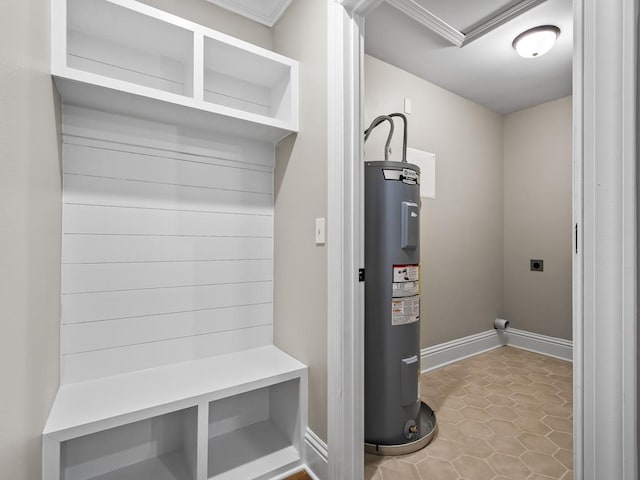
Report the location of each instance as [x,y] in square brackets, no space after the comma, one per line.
[536,41]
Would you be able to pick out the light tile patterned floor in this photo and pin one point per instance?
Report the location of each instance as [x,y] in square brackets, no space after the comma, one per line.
[502,415]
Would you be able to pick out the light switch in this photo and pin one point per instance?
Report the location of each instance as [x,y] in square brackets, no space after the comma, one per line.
[320,231]
[407,105]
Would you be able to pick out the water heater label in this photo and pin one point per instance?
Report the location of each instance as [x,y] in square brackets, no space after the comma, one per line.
[405,289]
[405,304]
[405,310]
[406,273]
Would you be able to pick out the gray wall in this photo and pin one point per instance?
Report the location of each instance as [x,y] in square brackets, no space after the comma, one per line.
[503,196]
[300,276]
[461,230]
[537,218]
[30,203]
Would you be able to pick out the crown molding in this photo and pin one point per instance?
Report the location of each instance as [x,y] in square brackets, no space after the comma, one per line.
[437,25]
[434,23]
[494,21]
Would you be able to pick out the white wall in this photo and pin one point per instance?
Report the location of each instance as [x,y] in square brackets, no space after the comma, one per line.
[300,277]
[461,230]
[537,218]
[29,236]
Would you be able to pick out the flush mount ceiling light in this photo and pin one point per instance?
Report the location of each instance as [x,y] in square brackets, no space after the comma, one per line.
[536,41]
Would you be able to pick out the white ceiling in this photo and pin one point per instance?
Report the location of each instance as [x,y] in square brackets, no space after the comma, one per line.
[487,70]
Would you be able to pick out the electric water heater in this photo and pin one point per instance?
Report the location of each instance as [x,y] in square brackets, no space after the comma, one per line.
[396,421]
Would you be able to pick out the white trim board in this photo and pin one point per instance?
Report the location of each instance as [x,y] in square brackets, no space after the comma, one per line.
[316,456]
[417,12]
[438,356]
[443,354]
[543,344]
[345,242]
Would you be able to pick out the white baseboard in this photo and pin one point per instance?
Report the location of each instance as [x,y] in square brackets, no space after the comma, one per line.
[314,459]
[445,353]
[316,456]
[535,342]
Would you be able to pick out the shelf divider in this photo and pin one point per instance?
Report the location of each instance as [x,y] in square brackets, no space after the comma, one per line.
[198,67]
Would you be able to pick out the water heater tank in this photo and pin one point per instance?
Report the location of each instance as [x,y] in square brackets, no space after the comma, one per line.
[394,415]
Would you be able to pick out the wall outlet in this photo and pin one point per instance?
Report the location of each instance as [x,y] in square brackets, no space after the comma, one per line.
[537,265]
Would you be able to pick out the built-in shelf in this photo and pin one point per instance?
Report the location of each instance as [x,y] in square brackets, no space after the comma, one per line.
[181,418]
[235,415]
[115,42]
[249,452]
[162,448]
[126,57]
[254,432]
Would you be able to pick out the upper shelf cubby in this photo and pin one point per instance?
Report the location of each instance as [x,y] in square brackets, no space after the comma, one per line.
[115,42]
[246,80]
[127,57]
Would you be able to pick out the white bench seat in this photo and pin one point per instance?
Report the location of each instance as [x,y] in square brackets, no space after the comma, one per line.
[188,391]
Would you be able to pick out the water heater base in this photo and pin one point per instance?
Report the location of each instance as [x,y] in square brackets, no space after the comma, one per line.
[427,430]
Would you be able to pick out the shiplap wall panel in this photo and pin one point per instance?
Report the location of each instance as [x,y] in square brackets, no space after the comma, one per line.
[92,128]
[220,158]
[167,245]
[82,190]
[89,307]
[99,162]
[106,277]
[88,336]
[129,248]
[107,220]
[100,363]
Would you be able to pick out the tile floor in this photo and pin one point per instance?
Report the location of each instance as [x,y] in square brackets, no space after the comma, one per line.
[502,415]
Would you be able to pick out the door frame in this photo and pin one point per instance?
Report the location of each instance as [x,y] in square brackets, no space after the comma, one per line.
[604,263]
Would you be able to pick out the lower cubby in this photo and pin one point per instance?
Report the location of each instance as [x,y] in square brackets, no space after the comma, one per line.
[236,416]
[158,448]
[255,432]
